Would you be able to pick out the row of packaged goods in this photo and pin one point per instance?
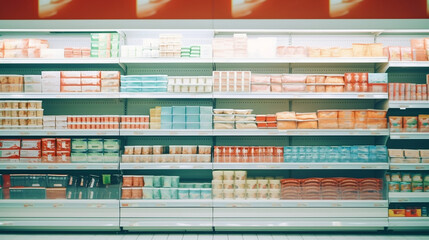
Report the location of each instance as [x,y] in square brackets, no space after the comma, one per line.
[408,182]
[60,150]
[409,91]
[164,83]
[17,114]
[167,154]
[60,186]
[409,156]
[103,45]
[409,124]
[162,187]
[419,51]
[408,210]
[181,117]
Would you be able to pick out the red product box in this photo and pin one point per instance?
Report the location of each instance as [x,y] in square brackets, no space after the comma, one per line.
[13,153]
[63,156]
[348,78]
[31,144]
[49,156]
[63,144]
[31,153]
[48,144]
[6,180]
[377,87]
[10,143]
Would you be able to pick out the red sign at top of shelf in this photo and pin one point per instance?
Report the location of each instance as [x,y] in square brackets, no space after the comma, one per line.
[213,9]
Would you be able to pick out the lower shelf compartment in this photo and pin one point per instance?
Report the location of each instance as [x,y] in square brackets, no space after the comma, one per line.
[60,224]
[408,222]
[167,224]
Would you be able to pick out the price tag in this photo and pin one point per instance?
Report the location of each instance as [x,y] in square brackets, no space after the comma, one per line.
[394,167]
[137,133]
[326,166]
[24,133]
[276,205]
[56,205]
[101,133]
[419,167]
[28,205]
[52,167]
[161,205]
[125,205]
[404,137]
[336,224]
[378,205]
[403,200]
[336,205]
[360,95]
[31,167]
[81,167]
[301,205]
[51,133]
[10,167]
[304,167]
[173,133]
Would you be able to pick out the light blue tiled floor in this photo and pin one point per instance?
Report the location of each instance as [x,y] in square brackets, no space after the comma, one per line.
[249,236]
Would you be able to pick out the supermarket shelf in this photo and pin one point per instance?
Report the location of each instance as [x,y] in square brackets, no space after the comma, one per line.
[134,166]
[59,61]
[299,204]
[167,224]
[59,224]
[409,222]
[407,166]
[300,95]
[365,166]
[409,135]
[138,62]
[100,95]
[408,104]
[74,132]
[58,166]
[166,132]
[301,132]
[303,60]
[167,95]
[408,197]
[409,64]
[165,203]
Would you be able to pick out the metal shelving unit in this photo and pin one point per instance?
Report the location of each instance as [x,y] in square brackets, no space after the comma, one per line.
[409,135]
[405,197]
[407,166]
[403,105]
[173,166]
[59,166]
[55,132]
[315,166]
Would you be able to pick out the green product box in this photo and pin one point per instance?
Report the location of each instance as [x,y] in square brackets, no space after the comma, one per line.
[95,157]
[112,144]
[79,144]
[95,144]
[77,157]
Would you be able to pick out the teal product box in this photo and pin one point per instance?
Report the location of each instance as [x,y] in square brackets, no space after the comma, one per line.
[206,118]
[153,89]
[192,110]
[95,157]
[166,118]
[166,125]
[131,89]
[97,45]
[377,78]
[131,84]
[162,77]
[205,125]
[79,144]
[95,144]
[192,125]
[166,111]
[178,118]
[206,110]
[179,110]
[192,118]
[112,144]
[179,125]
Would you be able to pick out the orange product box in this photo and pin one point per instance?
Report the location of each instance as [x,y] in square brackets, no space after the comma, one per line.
[346,123]
[15,44]
[63,144]
[10,144]
[396,212]
[70,74]
[15,53]
[55,193]
[48,144]
[346,114]
[327,114]
[361,123]
[262,125]
[349,87]
[70,81]
[71,88]
[377,87]
[49,156]
[272,124]
[63,156]
[418,43]
[377,123]
[423,122]
[406,54]
[394,53]
[376,113]
[91,88]
[328,123]
[90,74]
[361,113]
[420,55]
[307,124]
[90,81]
[410,122]
[287,124]
[395,122]
[33,53]
[110,75]
[426,42]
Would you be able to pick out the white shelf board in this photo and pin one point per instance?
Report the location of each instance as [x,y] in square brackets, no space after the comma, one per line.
[408,104]
[301,132]
[408,197]
[409,135]
[135,166]
[60,223]
[166,132]
[265,166]
[58,166]
[59,61]
[351,95]
[72,132]
[140,61]
[304,60]
[408,64]
[408,166]
[166,95]
[59,203]
[166,203]
[409,222]
[300,204]
[100,95]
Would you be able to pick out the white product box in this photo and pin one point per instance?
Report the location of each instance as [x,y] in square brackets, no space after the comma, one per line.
[51,74]
[32,79]
[34,88]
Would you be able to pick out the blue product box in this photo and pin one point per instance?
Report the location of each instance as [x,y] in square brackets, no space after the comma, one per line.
[206,118]
[166,118]
[205,125]
[179,125]
[192,118]
[377,78]
[160,89]
[323,149]
[363,157]
[287,150]
[315,157]
[380,149]
[372,150]
[162,84]
[308,149]
[166,125]
[179,110]
[381,158]
[131,84]
[294,149]
[363,149]
[179,118]
[301,149]
[302,157]
[333,157]
[149,84]
[322,157]
[315,149]
[192,110]
[166,111]
[345,157]
[149,89]
[206,110]
[192,125]
[344,149]
[162,78]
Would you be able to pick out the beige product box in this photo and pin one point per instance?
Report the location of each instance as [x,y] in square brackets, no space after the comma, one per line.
[397,160]
[61,127]
[49,118]
[51,74]
[412,153]
[424,153]
[50,88]
[33,88]
[412,160]
[61,118]
[91,89]
[51,82]
[110,75]
[51,53]
[48,123]
[109,89]
[425,160]
[109,83]
[61,123]
[396,153]
[32,79]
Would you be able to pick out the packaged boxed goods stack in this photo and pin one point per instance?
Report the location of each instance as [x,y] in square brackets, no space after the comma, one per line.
[95,150]
[10,150]
[192,51]
[246,154]
[223,47]
[266,121]
[232,81]
[409,123]
[240,45]
[412,156]
[155,118]
[22,48]
[77,52]
[407,182]
[332,189]
[21,115]
[51,81]
[365,82]
[93,122]
[417,52]
[163,187]
[234,119]
[105,45]
[55,122]
[134,122]
[167,154]
[11,83]
[335,154]
[110,81]
[408,91]
[235,185]
[76,81]
[409,210]
[186,117]
[292,51]
[149,83]
[105,186]
[190,84]
[32,83]
[170,45]
[357,50]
